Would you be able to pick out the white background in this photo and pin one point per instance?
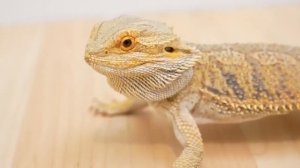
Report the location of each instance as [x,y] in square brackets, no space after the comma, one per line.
[20,11]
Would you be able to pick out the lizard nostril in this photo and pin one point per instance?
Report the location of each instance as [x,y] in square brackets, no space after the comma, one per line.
[87,59]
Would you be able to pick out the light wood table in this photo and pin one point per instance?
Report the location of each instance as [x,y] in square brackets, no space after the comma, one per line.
[46,89]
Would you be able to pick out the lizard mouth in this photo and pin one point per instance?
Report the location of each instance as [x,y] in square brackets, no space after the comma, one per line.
[120,66]
[118,62]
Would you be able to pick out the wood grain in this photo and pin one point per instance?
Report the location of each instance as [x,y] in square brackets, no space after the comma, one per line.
[46,90]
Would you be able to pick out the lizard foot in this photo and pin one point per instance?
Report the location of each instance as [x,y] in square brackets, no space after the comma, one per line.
[188,159]
[108,109]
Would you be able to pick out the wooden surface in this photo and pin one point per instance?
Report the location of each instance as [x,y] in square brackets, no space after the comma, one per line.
[46,89]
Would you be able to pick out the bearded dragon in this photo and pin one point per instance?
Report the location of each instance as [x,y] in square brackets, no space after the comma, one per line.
[191,83]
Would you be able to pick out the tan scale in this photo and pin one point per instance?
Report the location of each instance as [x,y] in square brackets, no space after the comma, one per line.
[145,61]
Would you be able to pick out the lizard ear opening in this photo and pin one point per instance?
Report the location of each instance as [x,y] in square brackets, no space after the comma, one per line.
[169,49]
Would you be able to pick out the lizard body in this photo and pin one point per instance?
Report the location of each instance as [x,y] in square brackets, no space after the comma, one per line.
[146,61]
[245,81]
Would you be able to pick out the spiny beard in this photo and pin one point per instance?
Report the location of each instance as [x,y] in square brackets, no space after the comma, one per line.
[153,82]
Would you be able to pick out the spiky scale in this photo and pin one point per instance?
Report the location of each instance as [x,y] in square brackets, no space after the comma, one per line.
[257,78]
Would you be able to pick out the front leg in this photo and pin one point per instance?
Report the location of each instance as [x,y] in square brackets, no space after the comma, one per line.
[116,107]
[187,133]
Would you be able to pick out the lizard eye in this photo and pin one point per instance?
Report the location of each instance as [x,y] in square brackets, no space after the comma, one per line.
[127,43]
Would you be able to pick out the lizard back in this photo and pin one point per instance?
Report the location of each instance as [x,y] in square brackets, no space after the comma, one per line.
[241,79]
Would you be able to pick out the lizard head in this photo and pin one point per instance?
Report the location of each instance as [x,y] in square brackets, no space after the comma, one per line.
[138,48]
[132,43]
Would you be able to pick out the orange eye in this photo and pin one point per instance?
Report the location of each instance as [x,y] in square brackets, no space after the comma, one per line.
[127,43]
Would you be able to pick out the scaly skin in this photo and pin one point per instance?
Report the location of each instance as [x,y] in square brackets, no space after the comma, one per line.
[146,61]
